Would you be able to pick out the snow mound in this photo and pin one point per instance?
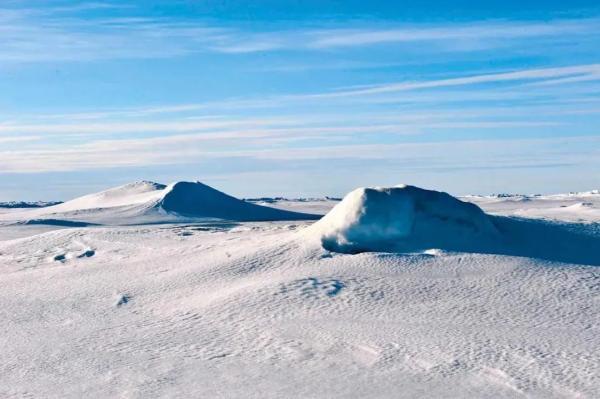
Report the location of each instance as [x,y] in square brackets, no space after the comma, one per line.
[198,200]
[129,194]
[402,218]
[146,202]
[411,219]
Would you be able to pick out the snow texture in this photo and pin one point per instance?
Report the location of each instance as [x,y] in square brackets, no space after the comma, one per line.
[147,202]
[230,309]
[200,200]
[408,219]
[402,218]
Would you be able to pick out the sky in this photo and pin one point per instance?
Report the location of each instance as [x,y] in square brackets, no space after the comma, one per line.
[299,98]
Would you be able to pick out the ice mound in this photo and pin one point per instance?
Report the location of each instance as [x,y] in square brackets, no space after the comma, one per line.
[403,218]
[198,200]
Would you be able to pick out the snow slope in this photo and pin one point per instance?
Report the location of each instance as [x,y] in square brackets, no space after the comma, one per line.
[255,311]
[408,219]
[402,218]
[197,200]
[261,310]
[148,202]
[581,207]
[319,206]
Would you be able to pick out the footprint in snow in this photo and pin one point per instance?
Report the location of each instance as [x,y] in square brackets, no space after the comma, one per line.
[63,257]
[60,258]
[122,299]
[87,254]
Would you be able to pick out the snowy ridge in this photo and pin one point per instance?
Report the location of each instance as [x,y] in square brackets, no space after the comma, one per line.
[148,202]
[455,302]
[402,217]
[141,192]
[557,207]
[198,200]
[408,218]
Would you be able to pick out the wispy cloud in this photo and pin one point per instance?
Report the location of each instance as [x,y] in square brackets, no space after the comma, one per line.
[68,34]
[19,139]
[206,141]
[480,153]
[317,125]
[578,72]
[32,35]
[554,93]
[173,126]
[479,31]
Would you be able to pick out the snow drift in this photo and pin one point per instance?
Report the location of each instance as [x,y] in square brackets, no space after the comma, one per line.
[402,218]
[201,201]
[148,202]
[408,218]
[128,195]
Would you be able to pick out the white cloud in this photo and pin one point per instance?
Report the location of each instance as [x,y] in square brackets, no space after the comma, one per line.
[64,34]
[19,139]
[479,31]
[111,127]
[522,75]
[261,143]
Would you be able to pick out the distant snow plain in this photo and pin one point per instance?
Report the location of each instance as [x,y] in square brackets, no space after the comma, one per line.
[140,301]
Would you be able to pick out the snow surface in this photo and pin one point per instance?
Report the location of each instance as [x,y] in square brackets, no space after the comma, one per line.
[402,218]
[574,207]
[230,309]
[407,218]
[318,206]
[147,202]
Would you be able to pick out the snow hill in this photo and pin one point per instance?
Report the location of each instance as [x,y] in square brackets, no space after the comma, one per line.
[407,219]
[583,207]
[456,303]
[149,202]
[402,217]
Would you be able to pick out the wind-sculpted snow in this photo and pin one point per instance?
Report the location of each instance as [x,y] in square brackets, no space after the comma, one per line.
[252,310]
[443,300]
[403,218]
[201,201]
[408,218]
[130,194]
[147,202]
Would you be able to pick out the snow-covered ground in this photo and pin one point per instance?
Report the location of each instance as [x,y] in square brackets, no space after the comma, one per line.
[573,207]
[197,306]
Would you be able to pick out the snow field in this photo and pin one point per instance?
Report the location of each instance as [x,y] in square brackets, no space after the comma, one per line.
[398,292]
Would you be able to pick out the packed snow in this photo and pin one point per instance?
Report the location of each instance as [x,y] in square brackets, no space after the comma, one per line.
[396,292]
[408,219]
[573,207]
[148,202]
[402,218]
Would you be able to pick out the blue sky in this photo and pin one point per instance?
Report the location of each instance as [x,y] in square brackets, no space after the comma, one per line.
[299,98]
